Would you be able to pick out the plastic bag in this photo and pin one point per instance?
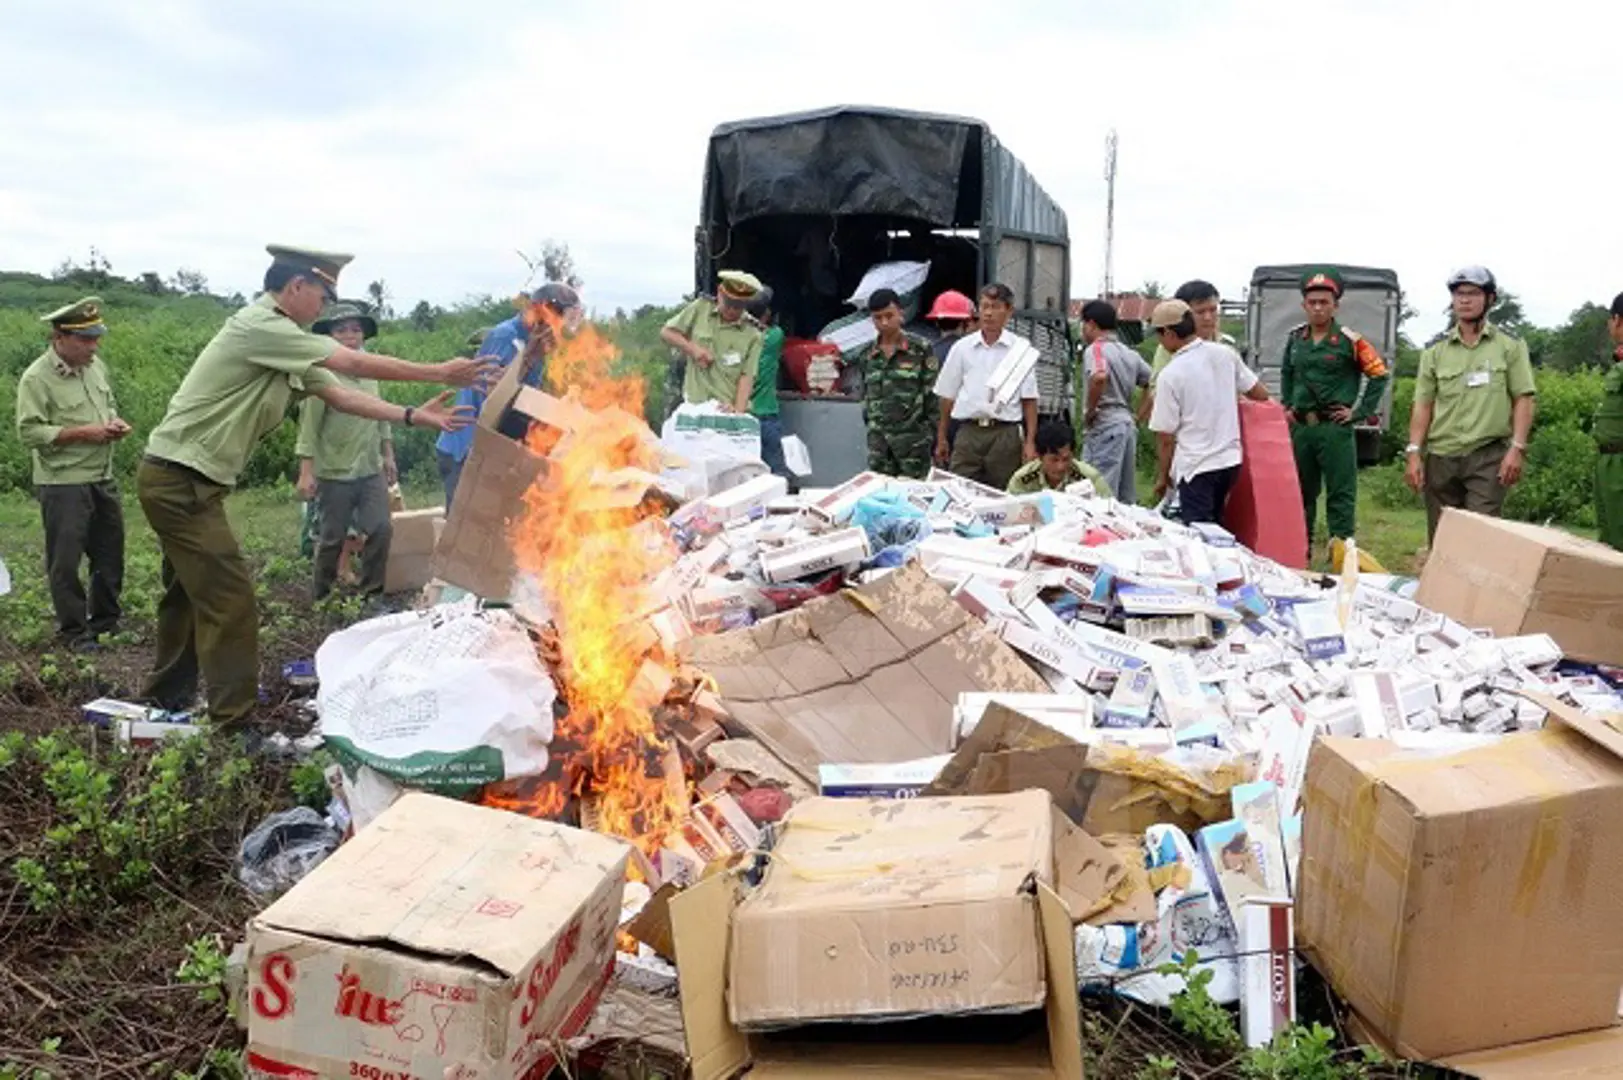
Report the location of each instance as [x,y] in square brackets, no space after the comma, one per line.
[890,520]
[1125,957]
[446,700]
[284,848]
[902,276]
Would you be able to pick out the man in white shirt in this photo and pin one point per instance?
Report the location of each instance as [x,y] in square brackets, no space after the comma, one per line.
[990,444]
[1197,415]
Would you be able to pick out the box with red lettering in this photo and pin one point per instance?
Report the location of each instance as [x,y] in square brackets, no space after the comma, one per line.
[446,939]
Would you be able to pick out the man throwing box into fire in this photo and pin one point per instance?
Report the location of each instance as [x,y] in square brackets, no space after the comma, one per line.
[236,392]
[1329,379]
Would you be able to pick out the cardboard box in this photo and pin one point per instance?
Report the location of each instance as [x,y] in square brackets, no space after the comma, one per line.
[865,675]
[445,939]
[866,908]
[1009,1047]
[415,533]
[1490,869]
[474,551]
[131,733]
[1515,579]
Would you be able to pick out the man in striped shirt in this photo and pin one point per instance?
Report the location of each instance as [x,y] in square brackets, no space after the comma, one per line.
[1113,372]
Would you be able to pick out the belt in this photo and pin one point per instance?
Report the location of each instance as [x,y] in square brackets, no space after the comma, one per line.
[1611,448]
[988,422]
[1311,417]
[175,466]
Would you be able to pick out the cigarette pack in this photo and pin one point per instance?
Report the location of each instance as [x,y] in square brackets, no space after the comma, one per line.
[1320,627]
[1267,972]
[1014,510]
[1003,385]
[832,506]
[1115,650]
[896,780]
[1129,704]
[1380,705]
[1214,534]
[1044,645]
[845,549]
[1178,685]
[983,598]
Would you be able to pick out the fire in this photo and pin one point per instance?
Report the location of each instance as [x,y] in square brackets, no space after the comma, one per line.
[595,557]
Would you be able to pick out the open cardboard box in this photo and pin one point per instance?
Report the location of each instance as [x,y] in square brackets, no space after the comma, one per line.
[475,549]
[821,919]
[1515,578]
[1469,902]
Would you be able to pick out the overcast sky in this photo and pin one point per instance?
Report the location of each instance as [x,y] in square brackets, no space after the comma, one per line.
[435,139]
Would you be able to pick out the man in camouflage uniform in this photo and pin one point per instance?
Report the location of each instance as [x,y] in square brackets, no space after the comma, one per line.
[1320,376]
[899,372]
[1609,436]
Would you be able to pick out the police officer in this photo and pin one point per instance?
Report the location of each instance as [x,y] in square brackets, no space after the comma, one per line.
[719,342]
[1473,407]
[67,417]
[1609,436]
[1320,376]
[899,372]
[237,391]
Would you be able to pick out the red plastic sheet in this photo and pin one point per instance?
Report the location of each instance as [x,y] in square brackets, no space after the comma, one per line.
[1264,510]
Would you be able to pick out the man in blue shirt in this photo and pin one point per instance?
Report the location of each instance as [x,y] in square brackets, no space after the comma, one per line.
[505,342]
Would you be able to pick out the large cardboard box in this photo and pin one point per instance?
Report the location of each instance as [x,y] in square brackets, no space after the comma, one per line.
[866,675]
[446,939]
[866,911]
[1473,900]
[1514,578]
[879,908]
[411,548]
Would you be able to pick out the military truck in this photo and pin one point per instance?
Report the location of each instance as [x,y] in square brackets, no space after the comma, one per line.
[1371,305]
[808,202]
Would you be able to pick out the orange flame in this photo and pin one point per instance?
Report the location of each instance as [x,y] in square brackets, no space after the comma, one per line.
[595,565]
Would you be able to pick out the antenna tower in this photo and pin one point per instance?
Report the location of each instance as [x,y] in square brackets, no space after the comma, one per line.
[1109,288]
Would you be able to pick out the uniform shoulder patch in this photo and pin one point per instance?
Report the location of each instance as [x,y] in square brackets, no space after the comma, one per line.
[1352,335]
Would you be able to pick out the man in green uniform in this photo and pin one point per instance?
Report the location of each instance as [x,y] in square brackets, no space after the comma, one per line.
[1055,467]
[1609,436]
[1473,407]
[1320,376]
[67,417]
[720,343]
[764,398]
[899,372]
[236,392]
[346,465]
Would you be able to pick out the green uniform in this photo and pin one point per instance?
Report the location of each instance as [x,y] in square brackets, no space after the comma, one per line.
[1472,389]
[1342,369]
[735,347]
[347,452]
[236,392]
[899,405]
[79,502]
[764,398]
[1609,464]
[1029,479]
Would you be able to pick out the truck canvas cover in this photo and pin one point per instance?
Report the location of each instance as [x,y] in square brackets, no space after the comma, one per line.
[944,171]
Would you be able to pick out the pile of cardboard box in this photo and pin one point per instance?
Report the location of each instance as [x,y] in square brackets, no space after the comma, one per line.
[1127,712]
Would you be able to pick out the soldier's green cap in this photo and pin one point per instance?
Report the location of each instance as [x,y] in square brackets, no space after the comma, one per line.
[81,318]
[739,284]
[345,312]
[1321,279]
[323,266]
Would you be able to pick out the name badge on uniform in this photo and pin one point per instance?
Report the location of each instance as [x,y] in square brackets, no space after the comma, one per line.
[1477,378]
[732,359]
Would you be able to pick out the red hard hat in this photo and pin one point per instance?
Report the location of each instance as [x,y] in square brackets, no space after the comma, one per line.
[952,305]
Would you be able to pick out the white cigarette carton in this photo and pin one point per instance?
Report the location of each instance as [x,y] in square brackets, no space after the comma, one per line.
[1267,973]
[845,549]
[897,780]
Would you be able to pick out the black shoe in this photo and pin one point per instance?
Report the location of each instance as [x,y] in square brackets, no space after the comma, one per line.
[86,644]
